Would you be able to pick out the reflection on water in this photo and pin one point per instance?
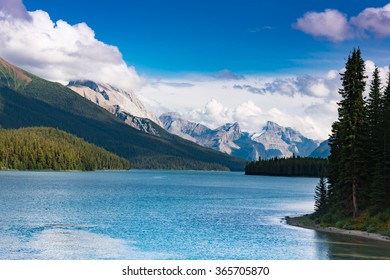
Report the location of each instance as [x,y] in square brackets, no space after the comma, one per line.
[341,247]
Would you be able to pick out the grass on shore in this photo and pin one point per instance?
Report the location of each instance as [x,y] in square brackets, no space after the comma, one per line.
[367,221]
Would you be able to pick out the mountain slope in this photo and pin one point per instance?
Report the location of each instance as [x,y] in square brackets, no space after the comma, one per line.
[43,103]
[11,76]
[323,150]
[41,148]
[284,141]
[121,103]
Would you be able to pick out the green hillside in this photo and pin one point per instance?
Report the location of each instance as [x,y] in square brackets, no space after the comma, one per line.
[43,103]
[43,148]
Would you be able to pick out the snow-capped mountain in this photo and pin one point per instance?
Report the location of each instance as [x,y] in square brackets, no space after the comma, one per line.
[284,141]
[123,104]
[273,141]
[228,138]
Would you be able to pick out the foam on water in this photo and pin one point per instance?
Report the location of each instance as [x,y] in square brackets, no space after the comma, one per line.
[61,242]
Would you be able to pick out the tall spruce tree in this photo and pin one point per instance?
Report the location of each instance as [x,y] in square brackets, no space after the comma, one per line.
[348,168]
[386,142]
[381,191]
[375,143]
[321,197]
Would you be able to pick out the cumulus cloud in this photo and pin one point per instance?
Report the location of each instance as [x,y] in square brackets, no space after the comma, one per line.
[212,114]
[61,52]
[252,118]
[293,101]
[215,114]
[335,26]
[13,8]
[374,20]
[248,109]
[330,24]
[283,86]
[307,85]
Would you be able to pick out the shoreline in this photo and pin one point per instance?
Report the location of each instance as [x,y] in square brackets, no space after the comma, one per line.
[334,230]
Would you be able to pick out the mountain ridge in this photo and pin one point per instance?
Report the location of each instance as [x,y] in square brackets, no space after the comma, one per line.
[273,140]
[122,103]
[44,103]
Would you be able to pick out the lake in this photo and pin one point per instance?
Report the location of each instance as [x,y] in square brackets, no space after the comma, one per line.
[179,215]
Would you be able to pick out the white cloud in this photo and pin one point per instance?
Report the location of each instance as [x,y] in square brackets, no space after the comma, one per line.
[330,24]
[212,114]
[374,20]
[62,52]
[13,8]
[332,74]
[293,101]
[299,85]
[335,26]
[284,86]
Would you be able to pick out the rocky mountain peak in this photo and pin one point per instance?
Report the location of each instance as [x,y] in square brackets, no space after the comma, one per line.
[122,103]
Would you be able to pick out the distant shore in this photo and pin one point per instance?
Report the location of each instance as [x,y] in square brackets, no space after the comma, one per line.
[358,233]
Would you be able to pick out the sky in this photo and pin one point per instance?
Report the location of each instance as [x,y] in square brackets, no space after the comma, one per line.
[213,62]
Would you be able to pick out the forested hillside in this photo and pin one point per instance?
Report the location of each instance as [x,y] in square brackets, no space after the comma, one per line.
[52,149]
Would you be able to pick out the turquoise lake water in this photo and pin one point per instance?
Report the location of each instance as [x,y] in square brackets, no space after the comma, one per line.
[164,215]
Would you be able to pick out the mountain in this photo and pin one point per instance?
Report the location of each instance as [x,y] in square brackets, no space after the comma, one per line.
[284,141]
[121,103]
[273,141]
[323,150]
[27,100]
[41,148]
[228,138]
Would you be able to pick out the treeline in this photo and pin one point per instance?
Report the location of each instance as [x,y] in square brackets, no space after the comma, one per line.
[161,162]
[42,148]
[358,187]
[294,166]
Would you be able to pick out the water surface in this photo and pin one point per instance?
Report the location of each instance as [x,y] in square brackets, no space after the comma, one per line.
[164,215]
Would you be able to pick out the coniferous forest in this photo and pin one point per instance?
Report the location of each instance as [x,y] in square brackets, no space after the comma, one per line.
[294,166]
[357,192]
[43,148]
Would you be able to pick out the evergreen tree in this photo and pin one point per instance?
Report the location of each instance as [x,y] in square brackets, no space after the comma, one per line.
[374,122]
[380,189]
[375,147]
[386,143]
[348,167]
[321,197]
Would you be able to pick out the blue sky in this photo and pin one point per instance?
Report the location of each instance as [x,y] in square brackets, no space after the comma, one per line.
[213,62]
[245,36]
